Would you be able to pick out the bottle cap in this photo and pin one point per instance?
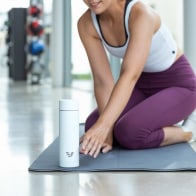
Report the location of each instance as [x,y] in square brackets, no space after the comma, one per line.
[68,104]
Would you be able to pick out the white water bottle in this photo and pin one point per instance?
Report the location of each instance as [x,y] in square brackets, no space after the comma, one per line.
[68,133]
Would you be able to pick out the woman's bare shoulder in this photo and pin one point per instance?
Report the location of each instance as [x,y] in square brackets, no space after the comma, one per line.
[141,12]
[85,24]
[85,17]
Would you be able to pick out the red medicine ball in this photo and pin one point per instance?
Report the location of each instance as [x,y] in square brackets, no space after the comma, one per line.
[34,11]
[36,28]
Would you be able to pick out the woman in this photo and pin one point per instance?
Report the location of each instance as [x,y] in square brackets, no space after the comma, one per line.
[156,87]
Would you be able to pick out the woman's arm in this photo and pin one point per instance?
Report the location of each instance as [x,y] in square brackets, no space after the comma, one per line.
[142,28]
[102,75]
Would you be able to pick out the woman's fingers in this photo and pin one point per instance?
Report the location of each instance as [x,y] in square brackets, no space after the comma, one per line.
[90,146]
[97,151]
[106,148]
[85,140]
[93,148]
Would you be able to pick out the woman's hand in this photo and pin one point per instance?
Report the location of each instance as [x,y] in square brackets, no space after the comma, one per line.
[96,139]
[107,146]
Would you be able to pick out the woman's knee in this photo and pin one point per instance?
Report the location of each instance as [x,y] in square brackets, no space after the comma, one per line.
[129,136]
[134,136]
[129,142]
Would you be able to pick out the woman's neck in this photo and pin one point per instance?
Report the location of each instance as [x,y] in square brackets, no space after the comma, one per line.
[113,12]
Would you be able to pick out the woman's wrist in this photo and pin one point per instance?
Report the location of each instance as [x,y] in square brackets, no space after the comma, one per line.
[105,123]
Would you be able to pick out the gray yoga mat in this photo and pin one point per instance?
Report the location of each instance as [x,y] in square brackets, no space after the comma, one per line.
[178,157]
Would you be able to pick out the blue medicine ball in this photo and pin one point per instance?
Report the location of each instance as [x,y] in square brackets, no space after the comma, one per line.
[36,47]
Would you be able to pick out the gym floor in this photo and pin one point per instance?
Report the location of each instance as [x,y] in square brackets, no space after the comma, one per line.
[29,123]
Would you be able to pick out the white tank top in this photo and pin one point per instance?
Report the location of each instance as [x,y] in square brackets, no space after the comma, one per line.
[163,47]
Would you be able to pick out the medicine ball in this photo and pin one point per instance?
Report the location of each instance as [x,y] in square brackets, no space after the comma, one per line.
[35,11]
[36,47]
[36,28]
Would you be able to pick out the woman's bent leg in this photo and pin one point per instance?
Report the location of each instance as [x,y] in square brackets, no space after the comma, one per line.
[143,125]
[137,97]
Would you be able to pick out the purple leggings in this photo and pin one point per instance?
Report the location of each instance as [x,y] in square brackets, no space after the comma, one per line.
[158,100]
